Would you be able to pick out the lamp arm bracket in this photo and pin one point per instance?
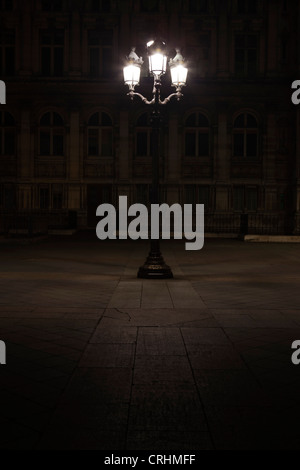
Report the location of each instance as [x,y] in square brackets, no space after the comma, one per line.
[178,95]
[133,93]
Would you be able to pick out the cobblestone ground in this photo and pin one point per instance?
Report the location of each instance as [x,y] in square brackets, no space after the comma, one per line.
[98,359]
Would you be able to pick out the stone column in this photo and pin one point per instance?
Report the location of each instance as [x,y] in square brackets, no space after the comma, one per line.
[25,40]
[269,165]
[73,165]
[222,43]
[123,157]
[222,162]
[297,190]
[25,152]
[272,38]
[25,162]
[75,45]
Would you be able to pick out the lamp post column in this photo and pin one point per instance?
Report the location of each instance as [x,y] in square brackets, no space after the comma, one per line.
[155,266]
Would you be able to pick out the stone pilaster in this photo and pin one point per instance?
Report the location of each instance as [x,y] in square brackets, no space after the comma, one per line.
[25,150]
[123,161]
[222,163]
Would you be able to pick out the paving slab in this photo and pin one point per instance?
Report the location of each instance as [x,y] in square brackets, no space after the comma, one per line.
[160,317]
[108,355]
[184,295]
[172,440]
[150,369]
[179,408]
[204,356]
[154,296]
[160,341]
[126,295]
[99,359]
[114,334]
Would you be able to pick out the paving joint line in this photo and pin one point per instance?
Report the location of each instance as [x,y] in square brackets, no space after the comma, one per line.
[199,395]
[131,389]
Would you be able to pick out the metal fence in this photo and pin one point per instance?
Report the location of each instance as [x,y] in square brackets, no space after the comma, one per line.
[33,222]
[40,222]
[260,224]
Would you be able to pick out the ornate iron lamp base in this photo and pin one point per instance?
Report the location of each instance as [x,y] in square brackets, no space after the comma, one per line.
[155,268]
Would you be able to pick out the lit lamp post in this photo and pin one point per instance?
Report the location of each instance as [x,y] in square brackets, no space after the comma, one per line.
[155,266]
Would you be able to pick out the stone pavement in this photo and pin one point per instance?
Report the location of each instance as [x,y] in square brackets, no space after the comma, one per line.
[98,359]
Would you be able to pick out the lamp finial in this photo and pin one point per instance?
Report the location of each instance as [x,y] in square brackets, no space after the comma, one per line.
[134,57]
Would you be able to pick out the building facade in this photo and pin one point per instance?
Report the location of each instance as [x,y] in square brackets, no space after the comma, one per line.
[70,139]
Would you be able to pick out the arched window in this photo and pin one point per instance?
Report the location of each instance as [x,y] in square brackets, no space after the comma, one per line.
[7,134]
[196,135]
[100,135]
[51,134]
[143,141]
[245,136]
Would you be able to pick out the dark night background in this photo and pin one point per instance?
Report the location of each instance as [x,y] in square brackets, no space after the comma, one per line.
[71,139]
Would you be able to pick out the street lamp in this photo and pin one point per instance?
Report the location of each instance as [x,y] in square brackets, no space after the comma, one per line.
[155,266]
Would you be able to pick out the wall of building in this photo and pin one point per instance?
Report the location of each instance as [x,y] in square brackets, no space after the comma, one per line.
[71,139]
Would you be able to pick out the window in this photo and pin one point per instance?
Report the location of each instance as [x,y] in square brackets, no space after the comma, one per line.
[6,5]
[99,6]
[143,139]
[284,6]
[52,53]
[106,194]
[246,54]
[57,196]
[7,134]
[100,135]
[282,201]
[9,200]
[51,135]
[143,194]
[196,135]
[197,194]
[198,6]
[245,137]
[7,52]
[100,52]
[251,199]
[149,5]
[245,198]
[238,198]
[51,196]
[52,5]
[246,6]
[44,198]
